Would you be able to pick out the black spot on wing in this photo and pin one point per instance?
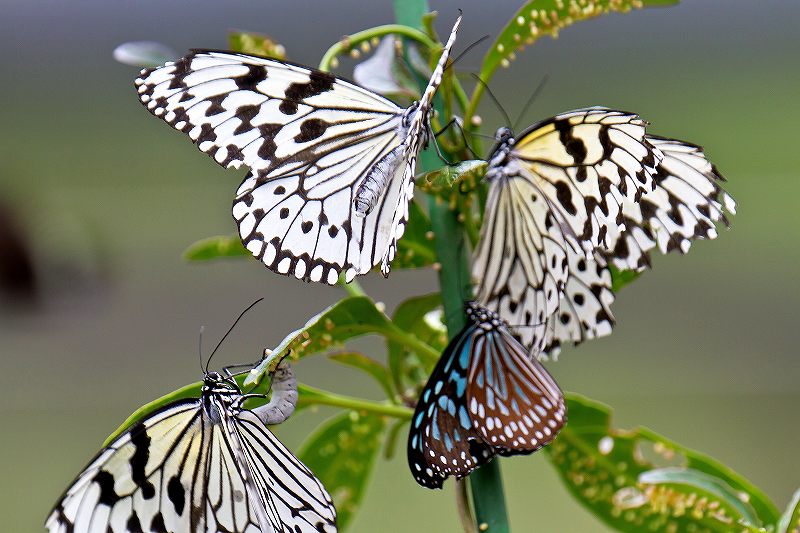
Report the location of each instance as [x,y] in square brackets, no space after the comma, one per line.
[133,525]
[108,496]
[138,460]
[564,196]
[573,145]
[311,129]
[255,74]
[157,525]
[176,494]
[318,83]
[306,226]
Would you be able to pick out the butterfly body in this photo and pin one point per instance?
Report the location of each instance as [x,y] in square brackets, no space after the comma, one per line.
[331,163]
[484,398]
[572,195]
[203,464]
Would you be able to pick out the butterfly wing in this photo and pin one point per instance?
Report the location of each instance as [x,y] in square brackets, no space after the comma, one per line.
[258,112]
[610,187]
[294,499]
[514,403]
[521,260]
[145,480]
[585,308]
[178,471]
[442,441]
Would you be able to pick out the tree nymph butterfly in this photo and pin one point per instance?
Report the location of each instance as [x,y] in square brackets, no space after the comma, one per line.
[204,464]
[331,163]
[485,397]
[574,194]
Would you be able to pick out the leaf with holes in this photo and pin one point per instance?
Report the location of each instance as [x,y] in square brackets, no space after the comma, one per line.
[349,318]
[635,480]
[219,247]
[537,18]
[342,454]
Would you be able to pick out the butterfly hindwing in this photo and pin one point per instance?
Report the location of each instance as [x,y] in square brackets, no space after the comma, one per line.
[526,284]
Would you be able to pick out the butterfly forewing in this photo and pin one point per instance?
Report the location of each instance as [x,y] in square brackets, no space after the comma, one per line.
[243,109]
[442,441]
[525,284]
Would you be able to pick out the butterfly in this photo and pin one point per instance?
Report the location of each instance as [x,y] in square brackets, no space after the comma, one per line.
[202,464]
[573,195]
[485,397]
[331,163]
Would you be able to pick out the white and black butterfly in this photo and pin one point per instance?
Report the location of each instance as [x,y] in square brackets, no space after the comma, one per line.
[573,194]
[332,163]
[203,464]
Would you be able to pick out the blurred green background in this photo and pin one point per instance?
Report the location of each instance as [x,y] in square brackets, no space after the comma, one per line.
[106,198]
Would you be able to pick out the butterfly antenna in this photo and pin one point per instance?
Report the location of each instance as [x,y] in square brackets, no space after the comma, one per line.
[532,97]
[208,363]
[466,50]
[494,99]
[200,347]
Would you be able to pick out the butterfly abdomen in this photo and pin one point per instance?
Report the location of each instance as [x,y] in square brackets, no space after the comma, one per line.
[375,182]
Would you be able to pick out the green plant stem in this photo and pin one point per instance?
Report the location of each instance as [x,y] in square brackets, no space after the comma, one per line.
[358,404]
[348,42]
[451,251]
[353,288]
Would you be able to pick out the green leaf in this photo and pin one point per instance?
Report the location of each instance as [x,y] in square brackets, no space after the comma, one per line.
[537,18]
[620,278]
[221,246]
[790,520]
[638,480]
[674,482]
[342,454]
[255,44]
[415,249]
[349,318]
[460,178]
[414,316]
[370,366]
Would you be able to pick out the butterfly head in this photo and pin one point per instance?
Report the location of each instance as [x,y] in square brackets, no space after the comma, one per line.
[482,316]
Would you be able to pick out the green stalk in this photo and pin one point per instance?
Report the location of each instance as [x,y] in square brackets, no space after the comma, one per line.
[357,404]
[451,251]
